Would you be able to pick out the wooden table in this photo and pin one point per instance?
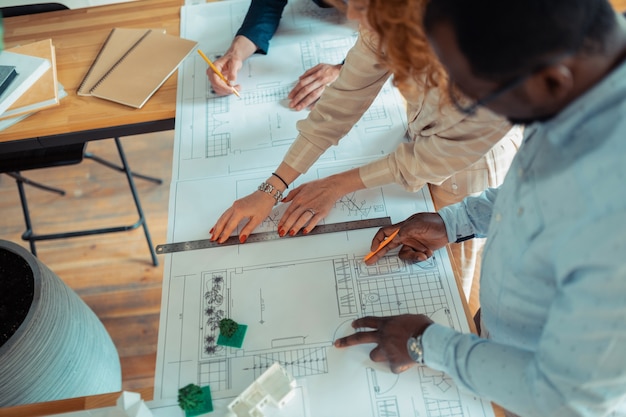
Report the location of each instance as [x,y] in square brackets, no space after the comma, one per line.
[57,136]
[66,406]
[78,35]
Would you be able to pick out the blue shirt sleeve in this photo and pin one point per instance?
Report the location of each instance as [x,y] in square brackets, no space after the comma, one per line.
[469,217]
[261,22]
[576,367]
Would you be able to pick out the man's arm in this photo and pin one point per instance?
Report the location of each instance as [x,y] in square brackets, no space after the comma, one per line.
[577,366]
[470,217]
[343,103]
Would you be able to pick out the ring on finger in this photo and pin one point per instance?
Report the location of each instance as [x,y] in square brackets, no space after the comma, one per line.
[310,210]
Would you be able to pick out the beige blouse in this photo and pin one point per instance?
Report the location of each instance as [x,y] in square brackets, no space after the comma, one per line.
[443,141]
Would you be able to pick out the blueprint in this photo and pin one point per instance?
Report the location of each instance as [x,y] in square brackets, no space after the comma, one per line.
[296,295]
[219,136]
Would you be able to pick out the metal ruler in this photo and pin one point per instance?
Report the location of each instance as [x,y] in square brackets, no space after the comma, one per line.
[269,236]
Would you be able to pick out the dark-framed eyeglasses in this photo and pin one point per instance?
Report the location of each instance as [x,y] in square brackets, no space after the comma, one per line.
[466,105]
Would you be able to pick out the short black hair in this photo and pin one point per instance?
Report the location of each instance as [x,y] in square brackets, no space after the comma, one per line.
[502,39]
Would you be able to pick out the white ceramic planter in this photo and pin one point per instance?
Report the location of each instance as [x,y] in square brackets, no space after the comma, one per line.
[61,349]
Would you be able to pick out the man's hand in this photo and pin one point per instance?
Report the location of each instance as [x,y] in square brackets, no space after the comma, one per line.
[229,65]
[420,235]
[390,334]
[311,85]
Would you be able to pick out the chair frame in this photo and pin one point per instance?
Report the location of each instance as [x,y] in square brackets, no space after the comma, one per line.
[74,154]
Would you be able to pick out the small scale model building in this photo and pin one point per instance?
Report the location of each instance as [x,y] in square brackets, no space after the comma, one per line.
[274,387]
[129,404]
[231,333]
[195,400]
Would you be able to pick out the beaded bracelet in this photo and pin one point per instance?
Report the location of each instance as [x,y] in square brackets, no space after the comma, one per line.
[269,189]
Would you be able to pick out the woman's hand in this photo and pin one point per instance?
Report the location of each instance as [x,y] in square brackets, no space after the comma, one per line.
[254,207]
[310,203]
[311,85]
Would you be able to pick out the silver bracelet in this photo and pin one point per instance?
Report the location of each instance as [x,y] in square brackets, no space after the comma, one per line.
[269,189]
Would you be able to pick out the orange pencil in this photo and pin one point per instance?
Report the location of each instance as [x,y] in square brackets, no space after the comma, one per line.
[218,73]
[382,244]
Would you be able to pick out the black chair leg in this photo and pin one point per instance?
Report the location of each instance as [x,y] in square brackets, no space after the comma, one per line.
[31,237]
[131,184]
[121,169]
[22,179]
[29,226]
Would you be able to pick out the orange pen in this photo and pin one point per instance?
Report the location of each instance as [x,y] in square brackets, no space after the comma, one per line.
[382,245]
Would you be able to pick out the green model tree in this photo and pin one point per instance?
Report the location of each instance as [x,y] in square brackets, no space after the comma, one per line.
[228,327]
[190,397]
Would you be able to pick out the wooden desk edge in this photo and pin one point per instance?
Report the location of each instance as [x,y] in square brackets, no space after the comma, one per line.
[70,404]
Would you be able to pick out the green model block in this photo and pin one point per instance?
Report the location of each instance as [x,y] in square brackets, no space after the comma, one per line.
[236,340]
[195,400]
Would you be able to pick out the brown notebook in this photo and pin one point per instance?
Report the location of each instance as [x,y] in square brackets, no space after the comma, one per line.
[44,92]
[136,76]
[117,43]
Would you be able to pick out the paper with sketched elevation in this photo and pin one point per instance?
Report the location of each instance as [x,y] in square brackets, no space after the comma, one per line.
[218,136]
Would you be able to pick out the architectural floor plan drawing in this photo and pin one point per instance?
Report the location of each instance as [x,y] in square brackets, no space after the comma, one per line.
[218,136]
[297,296]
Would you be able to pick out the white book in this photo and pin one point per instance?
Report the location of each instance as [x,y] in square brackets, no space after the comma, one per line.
[29,70]
[8,122]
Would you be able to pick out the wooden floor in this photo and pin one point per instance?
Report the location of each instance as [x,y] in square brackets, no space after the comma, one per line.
[113,273]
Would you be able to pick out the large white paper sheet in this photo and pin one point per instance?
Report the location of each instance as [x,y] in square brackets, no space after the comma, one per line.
[296,295]
[217,136]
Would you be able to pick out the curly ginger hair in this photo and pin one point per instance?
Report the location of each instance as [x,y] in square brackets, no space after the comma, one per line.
[403,46]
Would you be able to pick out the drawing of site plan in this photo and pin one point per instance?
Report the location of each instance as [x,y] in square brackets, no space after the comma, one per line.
[218,136]
[297,295]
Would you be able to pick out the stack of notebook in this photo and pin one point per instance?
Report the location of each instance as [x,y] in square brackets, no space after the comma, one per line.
[28,81]
[132,64]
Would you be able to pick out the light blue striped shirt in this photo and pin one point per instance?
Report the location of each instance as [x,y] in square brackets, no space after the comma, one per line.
[553,283]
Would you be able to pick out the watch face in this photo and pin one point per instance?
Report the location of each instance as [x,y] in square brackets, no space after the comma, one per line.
[414,347]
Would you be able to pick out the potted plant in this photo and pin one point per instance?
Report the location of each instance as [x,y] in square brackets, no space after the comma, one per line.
[52,345]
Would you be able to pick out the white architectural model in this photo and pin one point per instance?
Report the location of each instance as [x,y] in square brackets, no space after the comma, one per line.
[130,404]
[275,386]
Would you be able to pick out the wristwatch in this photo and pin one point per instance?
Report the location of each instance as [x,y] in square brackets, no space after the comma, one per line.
[415,348]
